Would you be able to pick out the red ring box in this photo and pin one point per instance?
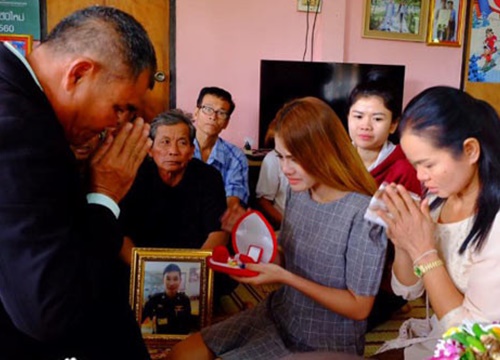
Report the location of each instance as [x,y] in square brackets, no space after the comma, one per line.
[252,236]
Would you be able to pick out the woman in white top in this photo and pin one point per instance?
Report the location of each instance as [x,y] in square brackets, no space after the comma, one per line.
[448,245]
[271,189]
[272,184]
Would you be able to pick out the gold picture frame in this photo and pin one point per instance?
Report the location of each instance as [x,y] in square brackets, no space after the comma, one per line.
[22,43]
[404,20]
[165,320]
[446,21]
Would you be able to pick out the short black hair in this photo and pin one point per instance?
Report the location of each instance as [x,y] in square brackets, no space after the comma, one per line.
[172,268]
[217,92]
[110,33]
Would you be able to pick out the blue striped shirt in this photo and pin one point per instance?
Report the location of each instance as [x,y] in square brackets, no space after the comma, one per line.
[232,164]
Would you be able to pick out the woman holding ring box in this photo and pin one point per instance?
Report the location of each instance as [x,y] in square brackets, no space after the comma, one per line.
[332,259]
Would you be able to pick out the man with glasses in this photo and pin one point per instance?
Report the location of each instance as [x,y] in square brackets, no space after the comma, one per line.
[213,110]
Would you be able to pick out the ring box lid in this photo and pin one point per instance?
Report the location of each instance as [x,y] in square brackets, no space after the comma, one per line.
[254,237]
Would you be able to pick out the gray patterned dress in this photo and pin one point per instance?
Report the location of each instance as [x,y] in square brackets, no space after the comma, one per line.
[330,244]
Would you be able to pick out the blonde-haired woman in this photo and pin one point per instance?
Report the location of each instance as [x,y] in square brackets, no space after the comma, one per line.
[332,258]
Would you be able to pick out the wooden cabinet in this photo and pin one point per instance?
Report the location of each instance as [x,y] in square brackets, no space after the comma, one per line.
[154,15]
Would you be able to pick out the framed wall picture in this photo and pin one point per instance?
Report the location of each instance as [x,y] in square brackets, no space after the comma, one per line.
[23,43]
[170,293]
[481,59]
[396,19]
[446,22]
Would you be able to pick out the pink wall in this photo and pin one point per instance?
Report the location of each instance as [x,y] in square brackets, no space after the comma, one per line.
[221,42]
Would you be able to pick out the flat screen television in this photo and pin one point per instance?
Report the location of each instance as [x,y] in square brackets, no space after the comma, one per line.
[282,81]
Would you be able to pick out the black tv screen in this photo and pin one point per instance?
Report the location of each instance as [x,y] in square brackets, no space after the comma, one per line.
[282,81]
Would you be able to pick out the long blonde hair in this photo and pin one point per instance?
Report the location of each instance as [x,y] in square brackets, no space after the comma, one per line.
[316,138]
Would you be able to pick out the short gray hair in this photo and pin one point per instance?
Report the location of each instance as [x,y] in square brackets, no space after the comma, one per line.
[173,117]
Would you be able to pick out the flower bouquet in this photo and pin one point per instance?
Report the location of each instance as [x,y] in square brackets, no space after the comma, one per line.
[469,341]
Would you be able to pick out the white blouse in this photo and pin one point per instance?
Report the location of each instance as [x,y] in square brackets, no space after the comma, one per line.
[475,274]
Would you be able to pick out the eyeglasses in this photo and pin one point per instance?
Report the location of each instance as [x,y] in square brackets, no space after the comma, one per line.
[221,114]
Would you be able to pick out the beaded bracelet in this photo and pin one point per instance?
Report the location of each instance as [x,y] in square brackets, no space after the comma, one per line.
[428,252]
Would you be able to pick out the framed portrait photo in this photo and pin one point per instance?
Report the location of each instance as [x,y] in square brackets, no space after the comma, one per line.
[22,43]
[170,293]
[446,21]
[396,19]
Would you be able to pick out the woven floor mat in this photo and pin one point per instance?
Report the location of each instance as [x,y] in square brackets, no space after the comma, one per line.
[245,296]
[390,329]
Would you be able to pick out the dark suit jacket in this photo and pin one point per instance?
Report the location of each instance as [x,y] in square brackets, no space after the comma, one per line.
[57,252]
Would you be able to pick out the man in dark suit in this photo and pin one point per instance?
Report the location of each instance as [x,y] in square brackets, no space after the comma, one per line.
[58,244]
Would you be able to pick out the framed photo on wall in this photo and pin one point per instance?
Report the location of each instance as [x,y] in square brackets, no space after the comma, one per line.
[481,56]
[23,43]
[396,19]
[446,21]
[170,293]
